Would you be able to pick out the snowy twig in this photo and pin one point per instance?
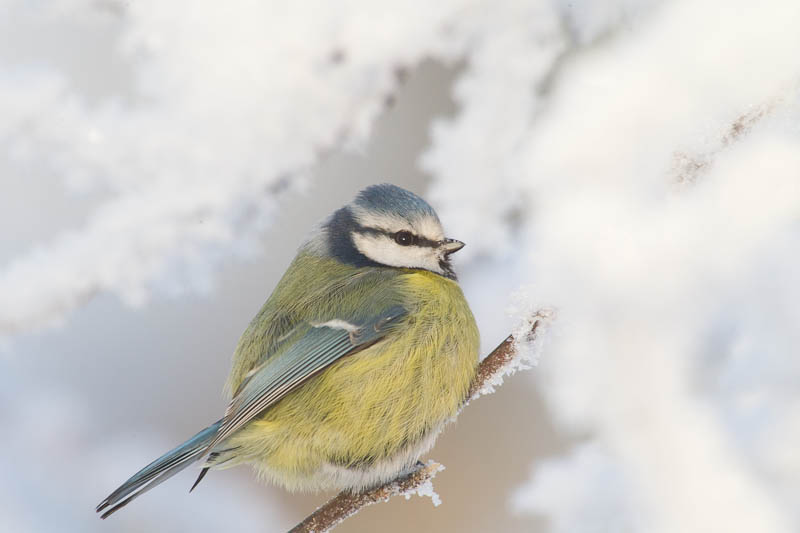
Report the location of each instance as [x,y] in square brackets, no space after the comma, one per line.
[504,360]
[517,352]
[346,503]
[687,167]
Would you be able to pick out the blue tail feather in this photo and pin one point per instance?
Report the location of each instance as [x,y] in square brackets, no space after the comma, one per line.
[159,470]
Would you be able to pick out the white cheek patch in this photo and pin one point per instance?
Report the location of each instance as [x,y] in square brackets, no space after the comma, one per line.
[384,250]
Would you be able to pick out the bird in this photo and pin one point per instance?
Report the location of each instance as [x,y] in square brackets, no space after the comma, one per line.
[347,374]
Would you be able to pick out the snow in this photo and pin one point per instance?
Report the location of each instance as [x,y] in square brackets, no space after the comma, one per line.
[652,197]
[193,154]
[425,489]
[527,344]
[584,491]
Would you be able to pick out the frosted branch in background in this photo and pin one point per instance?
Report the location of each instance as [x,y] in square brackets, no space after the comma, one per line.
[587,492]
[498,96]
[189,158]
[677,305]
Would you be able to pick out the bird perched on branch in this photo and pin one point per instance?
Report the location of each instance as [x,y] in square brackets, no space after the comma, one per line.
[347,374]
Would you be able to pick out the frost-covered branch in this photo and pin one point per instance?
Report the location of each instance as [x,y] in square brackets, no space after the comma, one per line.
[671,347]
[519,351]
[687,167]
[346,504]
[185,157]
[516,352]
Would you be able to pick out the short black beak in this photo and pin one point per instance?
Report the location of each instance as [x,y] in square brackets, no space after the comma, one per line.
[451,246]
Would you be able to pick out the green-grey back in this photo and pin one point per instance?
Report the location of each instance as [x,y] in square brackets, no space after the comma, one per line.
[313,289]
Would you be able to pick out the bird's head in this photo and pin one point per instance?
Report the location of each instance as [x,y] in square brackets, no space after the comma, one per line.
[389,226]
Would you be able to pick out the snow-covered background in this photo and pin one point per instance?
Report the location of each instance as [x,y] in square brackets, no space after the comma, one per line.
[634,164]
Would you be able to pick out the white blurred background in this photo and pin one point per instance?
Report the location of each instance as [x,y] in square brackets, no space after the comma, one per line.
[634,164]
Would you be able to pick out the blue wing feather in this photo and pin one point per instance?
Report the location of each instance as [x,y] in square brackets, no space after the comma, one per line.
[321,345]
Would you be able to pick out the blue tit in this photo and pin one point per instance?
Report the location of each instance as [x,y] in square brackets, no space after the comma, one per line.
[364,351]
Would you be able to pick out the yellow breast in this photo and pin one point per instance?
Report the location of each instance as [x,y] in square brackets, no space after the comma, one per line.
[374,405]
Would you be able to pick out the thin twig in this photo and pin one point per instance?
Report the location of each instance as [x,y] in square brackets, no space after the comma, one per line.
[687,167]
[346,503]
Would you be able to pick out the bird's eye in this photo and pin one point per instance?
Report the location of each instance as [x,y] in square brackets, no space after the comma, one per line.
[403,238]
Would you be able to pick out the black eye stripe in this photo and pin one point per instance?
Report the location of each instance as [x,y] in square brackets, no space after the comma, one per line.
[416,239]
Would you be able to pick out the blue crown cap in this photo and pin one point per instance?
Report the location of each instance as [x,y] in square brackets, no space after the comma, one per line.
[391,199]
